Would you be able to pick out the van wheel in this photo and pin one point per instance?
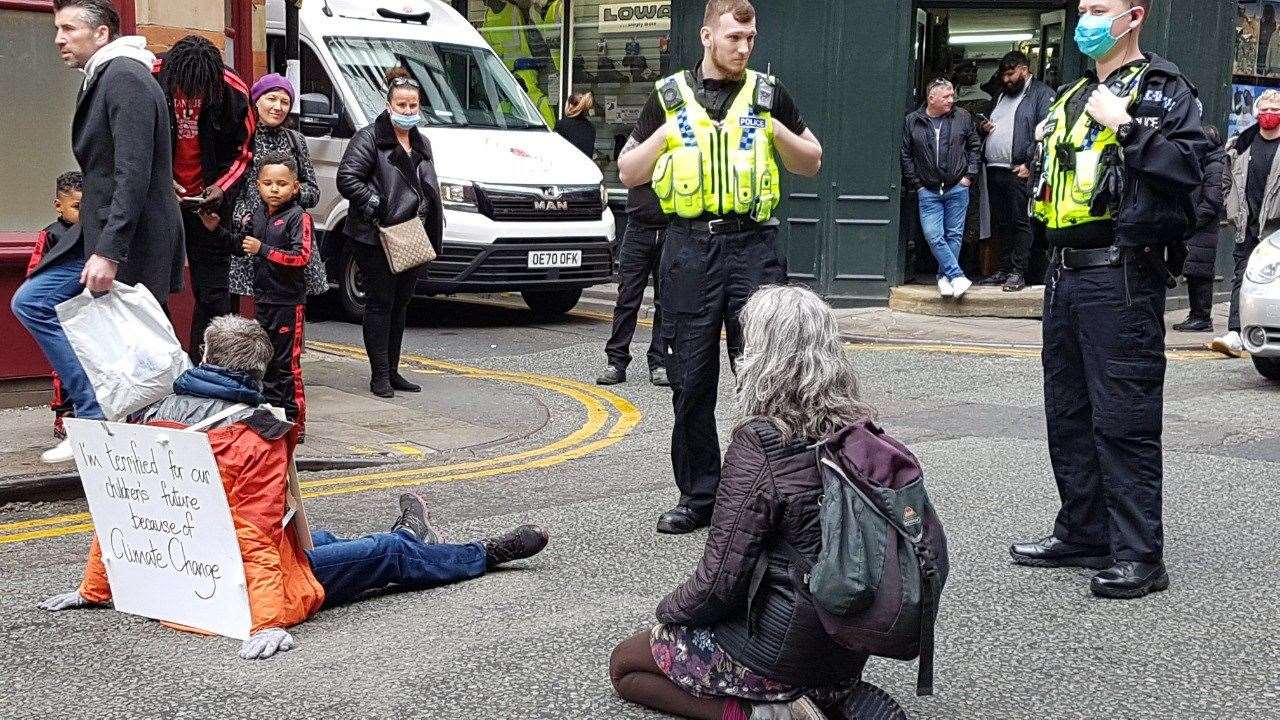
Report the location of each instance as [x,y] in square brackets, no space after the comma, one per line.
[351,288]
[551,303]
[1268,367]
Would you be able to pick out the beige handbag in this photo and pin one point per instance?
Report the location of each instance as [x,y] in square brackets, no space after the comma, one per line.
[407,245]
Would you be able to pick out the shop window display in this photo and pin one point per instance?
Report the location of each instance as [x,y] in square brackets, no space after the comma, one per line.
[1256,63]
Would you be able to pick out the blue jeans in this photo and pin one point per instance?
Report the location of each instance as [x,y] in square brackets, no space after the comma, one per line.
[33,305]
[942,221]
[348,568]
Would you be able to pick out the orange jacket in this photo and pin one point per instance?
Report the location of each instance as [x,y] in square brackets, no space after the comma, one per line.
[282,590]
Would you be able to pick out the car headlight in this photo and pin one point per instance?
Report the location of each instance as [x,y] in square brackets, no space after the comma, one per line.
[459,196]
[1264,264]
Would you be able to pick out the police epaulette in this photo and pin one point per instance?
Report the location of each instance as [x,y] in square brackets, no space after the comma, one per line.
[765,87]
[669,94]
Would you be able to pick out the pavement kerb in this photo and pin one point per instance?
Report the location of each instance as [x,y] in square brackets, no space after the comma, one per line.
[606,412]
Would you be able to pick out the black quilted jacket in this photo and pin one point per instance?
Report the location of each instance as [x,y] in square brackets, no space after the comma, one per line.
[742,587]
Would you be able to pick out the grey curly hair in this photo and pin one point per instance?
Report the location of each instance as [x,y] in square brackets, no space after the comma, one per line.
[237,343]
[794,372]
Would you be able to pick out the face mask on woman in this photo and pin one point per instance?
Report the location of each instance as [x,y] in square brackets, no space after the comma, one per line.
[407,122]
[1269,120]
[1093,34]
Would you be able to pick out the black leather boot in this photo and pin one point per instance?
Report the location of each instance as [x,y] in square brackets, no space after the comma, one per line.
[375,345]
[1200,318]
[395,340]
[1051,552]
[1129,579]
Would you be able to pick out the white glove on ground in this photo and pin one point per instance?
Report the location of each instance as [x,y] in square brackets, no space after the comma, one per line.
[265,643]
[66,601]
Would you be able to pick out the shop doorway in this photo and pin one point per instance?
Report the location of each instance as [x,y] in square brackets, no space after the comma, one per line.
[963,41]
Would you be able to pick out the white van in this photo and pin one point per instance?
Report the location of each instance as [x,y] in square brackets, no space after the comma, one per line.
[524,210]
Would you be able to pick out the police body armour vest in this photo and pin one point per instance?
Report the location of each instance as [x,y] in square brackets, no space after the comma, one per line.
[1067,185]
[718,168]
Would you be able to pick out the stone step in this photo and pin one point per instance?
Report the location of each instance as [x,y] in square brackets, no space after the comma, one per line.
[979,301]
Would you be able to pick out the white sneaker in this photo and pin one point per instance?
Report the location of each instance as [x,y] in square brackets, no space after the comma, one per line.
[960,286]
[944,287]
[1230,344]
[59,453]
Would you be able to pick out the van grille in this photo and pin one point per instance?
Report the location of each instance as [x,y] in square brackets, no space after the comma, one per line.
[540,204]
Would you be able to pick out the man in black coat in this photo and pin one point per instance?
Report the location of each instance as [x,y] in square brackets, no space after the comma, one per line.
[129,229]
[120,136]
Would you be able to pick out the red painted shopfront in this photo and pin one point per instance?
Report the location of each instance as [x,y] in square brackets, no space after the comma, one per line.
[23,369]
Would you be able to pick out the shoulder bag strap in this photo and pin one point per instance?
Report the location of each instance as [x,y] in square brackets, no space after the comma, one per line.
[207,423]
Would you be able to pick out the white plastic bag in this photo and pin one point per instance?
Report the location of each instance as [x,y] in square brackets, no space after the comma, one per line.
[126,345]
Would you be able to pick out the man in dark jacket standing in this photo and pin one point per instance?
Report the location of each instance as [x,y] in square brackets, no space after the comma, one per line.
[212,140]
[129,228]
[941,152]
[1202,242]
[1010,134]
[1125,149]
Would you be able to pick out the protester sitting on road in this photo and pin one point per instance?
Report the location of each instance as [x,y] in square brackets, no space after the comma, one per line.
[130,227]
[252,447]
[734,643]
[1202,242]
[389,177]
[273,97]
[1250,188]
[279,235]
[212,146]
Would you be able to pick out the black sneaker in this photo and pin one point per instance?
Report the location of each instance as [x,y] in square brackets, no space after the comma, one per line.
[998,278]
[612,375]
[518,544]
[415,518]
[1015,283]
[1194,324]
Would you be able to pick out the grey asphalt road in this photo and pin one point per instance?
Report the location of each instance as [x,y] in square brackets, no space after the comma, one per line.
[533,641]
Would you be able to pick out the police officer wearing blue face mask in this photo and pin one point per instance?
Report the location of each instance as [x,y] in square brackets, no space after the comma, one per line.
[1121,152]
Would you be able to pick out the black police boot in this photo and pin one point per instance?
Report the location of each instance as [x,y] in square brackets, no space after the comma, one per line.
[1128,580]
[1051,552]
[681,520]
[612,375]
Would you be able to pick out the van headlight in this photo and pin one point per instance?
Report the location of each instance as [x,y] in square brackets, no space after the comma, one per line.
[460,196]
[1264,264]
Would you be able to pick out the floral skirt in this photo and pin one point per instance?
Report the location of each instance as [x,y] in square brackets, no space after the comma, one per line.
[691,659]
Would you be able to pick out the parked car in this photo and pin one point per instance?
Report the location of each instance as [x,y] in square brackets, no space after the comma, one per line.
[1260,308]
[525,211]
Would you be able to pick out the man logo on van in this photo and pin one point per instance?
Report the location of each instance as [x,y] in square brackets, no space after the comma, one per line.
[551,201]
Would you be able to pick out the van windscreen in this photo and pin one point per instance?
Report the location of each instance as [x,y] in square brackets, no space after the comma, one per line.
[462,86]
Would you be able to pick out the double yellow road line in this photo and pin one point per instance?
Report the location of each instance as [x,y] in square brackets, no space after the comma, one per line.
[609,418]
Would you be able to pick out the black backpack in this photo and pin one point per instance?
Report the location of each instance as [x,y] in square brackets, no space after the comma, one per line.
[879,574]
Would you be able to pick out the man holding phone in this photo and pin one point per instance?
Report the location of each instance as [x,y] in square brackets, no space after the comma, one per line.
[212,134]
[1009,135]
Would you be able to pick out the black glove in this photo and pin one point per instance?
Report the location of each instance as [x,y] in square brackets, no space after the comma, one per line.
[371,208]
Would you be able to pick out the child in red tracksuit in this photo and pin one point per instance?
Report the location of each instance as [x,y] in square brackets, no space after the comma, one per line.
[59,240]
[280,233]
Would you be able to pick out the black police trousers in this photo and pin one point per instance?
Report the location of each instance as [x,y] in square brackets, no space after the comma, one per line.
[706,279]
[638,258]
[1104,368]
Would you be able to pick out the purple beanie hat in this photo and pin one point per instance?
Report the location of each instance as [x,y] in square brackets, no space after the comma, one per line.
[268,83]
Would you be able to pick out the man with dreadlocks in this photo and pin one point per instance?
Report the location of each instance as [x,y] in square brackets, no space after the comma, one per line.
[212,132]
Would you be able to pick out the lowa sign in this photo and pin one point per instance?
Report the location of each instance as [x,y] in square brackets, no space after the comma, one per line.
[635,17]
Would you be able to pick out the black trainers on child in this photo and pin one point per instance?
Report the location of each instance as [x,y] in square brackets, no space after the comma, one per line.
[518,544]
[415,517]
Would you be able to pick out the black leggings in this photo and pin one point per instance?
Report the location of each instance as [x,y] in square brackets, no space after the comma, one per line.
[386,303]
[637,678]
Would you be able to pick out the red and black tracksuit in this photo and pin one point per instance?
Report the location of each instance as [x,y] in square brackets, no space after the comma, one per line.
[60,239]
[280,294]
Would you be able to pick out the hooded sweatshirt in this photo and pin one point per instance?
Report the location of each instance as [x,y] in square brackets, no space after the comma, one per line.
[133,47]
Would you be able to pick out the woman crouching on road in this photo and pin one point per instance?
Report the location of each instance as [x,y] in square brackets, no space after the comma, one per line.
[722,650]
[389,177]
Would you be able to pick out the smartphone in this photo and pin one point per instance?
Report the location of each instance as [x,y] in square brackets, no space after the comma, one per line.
[982,119]
[190,203]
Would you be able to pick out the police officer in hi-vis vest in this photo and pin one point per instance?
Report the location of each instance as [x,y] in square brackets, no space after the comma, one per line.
[1121,153]
[709,141]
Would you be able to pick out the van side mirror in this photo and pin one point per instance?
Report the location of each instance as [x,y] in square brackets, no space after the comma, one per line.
[317,115]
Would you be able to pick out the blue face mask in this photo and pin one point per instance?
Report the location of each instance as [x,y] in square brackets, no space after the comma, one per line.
[408,122]
[1093,34]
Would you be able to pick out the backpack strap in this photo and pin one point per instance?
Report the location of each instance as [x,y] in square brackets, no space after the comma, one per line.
[929,589]
[209,422]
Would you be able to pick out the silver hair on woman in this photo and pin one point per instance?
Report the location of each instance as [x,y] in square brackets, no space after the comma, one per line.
[794,372]
[237,343]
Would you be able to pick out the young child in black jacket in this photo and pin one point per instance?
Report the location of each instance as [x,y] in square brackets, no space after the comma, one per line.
[280,234]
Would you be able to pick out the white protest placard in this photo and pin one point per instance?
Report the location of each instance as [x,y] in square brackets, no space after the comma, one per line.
[163,524]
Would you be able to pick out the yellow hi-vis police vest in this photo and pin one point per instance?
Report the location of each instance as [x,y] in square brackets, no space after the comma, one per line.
[1066,190]
[718,168]
[505,32]
[552,16]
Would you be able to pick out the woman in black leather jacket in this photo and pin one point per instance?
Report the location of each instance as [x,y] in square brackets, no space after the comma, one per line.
[389,178]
